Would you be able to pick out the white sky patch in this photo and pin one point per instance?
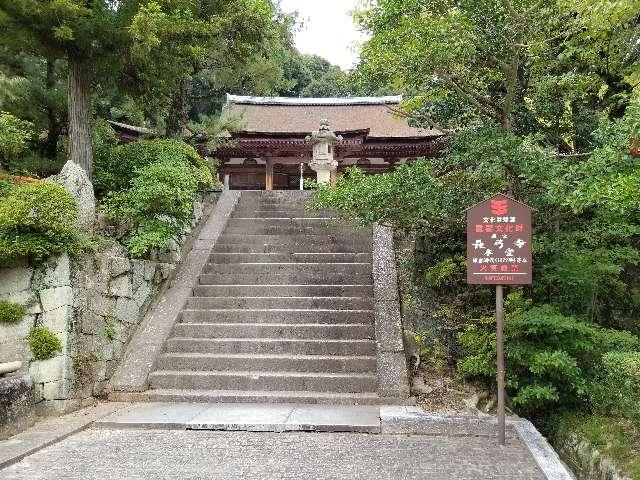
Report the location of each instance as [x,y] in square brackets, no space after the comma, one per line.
[328,29]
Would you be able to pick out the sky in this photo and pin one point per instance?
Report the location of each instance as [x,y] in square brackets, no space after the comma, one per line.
[328,29]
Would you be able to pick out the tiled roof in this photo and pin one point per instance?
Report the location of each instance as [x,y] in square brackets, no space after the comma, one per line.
[303,115]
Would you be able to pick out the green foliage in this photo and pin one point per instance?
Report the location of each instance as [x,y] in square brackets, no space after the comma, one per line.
[36,221]
[614,437]
[5,188]
[550,358]
[432,352]
[15,135]
[11,312]
[164,177]
[116,167]
[110,331]
[445,272]
[34,88]
[528,66]
[44,344]
[36,165]
[620,386]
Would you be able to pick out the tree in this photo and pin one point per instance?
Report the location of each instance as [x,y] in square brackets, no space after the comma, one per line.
[33,87]
[332,83]
[522,64]
[86,34]
[178,43]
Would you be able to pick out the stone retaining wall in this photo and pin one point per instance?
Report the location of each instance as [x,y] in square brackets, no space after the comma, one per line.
[586,462]
[93,303]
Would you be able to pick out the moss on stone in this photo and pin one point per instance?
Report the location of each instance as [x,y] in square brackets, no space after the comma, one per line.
[11,312]
[44,344]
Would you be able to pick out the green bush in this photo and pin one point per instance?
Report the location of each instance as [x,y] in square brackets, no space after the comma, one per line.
[620,388]
[5,188]
[11,312]
[115,168]
[157,206]
[15,135]
[550,358]
[43,343]
[33,164]
[36,221]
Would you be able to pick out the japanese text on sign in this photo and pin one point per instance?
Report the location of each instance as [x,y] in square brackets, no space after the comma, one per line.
[499,242]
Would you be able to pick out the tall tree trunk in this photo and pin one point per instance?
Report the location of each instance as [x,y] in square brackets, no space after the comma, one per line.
[177,117]
[79,99]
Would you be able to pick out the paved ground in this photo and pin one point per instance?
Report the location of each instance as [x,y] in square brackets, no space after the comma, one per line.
[104,454]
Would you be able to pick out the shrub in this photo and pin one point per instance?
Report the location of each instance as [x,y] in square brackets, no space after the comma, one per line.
[11,312]
[33,164]
[43,343]
[550,358]
[5,188]
[157,206]
[116,169]
[620,388]
[14,135]
[36,221]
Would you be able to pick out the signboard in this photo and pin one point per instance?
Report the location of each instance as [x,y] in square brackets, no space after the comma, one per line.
[499,242]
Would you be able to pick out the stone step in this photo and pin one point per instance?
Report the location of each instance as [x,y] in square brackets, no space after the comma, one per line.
[283,291]
[317,278]
[262,380]
[341,303]
[267,229]
[276,212]
[268,362]
[359,239]
[306,316]
[248,223]
[306,346]
[290,258]
[274,330]
[350,268]
[239,396]
[286,248]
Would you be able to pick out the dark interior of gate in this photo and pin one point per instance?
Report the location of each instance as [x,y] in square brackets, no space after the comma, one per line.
[272,149]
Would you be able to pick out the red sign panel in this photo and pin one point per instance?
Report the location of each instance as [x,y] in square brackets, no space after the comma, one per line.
[499,242]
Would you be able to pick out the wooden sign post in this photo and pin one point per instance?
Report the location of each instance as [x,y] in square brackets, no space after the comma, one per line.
[499,253]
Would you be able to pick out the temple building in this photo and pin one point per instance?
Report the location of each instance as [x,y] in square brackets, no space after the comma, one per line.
[282,139]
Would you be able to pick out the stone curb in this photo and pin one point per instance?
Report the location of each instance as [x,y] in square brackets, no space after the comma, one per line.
[246,417]
[544,455]
[51,431]
[143,349]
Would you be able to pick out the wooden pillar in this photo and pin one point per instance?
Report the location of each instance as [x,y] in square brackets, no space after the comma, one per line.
[269,174]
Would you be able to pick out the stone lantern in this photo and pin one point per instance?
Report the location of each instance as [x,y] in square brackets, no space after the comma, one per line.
[324,142]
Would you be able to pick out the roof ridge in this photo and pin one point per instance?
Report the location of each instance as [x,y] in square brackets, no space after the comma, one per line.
[250,100]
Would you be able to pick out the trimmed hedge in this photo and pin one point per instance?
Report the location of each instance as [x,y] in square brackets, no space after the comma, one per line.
[115,171]
[37,220]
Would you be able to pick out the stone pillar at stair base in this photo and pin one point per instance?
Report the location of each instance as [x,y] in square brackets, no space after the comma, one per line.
[393,378]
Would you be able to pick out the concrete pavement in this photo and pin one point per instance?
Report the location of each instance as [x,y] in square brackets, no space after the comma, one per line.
[275,441]
[99,454]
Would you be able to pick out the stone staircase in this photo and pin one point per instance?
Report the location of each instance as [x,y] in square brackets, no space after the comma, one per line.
[283,312]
